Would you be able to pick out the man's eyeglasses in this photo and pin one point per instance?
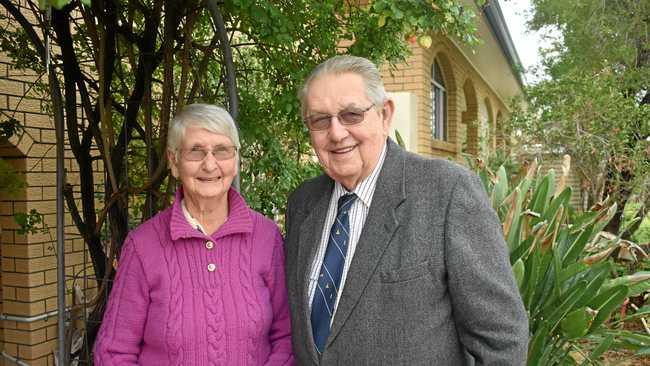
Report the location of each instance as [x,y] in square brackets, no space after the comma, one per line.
[348,116]
[219,153]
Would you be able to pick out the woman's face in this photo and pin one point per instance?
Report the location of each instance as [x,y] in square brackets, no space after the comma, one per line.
[210,177]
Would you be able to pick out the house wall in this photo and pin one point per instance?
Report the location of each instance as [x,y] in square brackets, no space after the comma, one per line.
[474,109]
[28,270]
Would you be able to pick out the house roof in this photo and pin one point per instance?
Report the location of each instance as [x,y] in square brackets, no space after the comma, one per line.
[497,23]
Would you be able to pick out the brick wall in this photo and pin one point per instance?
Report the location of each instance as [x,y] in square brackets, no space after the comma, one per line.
[472,106]
[28,271]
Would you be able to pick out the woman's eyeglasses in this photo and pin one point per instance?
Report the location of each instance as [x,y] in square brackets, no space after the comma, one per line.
[219,153]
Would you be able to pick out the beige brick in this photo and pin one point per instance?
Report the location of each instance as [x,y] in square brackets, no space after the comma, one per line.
[24,308]
[7,208]
[51,332]
[36,293]
[50,276]
[8,293]
[23,279]
[7,236]
[78,245]
[43,361]
[8,223]
[39,120]
[43,235]
[9,324]
[21,238]
[8,264]
[21,75]
[34,164]
[74,258]
[39,324]
[36,351]
[48,136]
[25,337]
[43,207]
[49,193]
[11,349]
[24,104]
[41,150]
[11,87]
[35,264]
[51,304]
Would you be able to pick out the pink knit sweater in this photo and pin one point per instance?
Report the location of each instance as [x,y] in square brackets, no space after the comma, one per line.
[184,298]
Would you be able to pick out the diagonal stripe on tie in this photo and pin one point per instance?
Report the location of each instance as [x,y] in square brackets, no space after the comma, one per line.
[332,278]
[322,307]
[337,246]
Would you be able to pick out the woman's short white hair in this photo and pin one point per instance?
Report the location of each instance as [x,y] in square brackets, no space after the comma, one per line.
[344,64]
[211,117]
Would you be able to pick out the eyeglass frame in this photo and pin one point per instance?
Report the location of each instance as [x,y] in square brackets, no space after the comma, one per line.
[329,117]
[183,152]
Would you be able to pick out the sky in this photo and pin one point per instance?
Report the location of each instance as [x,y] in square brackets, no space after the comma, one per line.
[527,43]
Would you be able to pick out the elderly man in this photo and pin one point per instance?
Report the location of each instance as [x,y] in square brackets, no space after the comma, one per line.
[392,258]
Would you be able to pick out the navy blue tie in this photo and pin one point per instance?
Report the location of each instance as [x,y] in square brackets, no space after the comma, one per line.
[329,277]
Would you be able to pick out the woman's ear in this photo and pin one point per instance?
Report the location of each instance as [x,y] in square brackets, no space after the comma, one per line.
[171,158]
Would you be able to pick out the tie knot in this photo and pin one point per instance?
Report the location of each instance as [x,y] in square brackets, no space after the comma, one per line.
[346,200]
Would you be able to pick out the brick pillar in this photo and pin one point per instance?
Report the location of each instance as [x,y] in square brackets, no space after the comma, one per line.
[28,268]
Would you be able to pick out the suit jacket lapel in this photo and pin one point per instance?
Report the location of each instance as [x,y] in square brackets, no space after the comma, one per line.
[309,238]
[377,232]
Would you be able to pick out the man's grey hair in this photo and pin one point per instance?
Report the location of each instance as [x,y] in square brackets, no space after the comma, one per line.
[344,64]
[211,117]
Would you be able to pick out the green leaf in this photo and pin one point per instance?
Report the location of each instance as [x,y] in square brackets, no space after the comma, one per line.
[538,202]
[559,201]
[576,323]
[500,188]
[381,22]
[399,139]
[606,303]
[637,283]
[536,347]
[602,347]
[566,305]
[519,272]
[645,351]
[59,4]
[577,247]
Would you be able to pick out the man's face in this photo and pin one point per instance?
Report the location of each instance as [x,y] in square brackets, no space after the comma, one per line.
[348,153]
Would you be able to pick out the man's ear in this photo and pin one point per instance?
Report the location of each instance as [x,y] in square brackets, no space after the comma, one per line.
[171,159]
[387,114]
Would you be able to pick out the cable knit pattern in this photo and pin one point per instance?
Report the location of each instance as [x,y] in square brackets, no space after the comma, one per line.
[179,300]
[215,323]
[174,345]
[244,266]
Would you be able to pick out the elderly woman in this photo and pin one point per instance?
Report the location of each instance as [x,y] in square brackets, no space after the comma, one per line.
[202,282]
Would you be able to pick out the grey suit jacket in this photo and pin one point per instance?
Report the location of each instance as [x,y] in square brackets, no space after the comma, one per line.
[430,282]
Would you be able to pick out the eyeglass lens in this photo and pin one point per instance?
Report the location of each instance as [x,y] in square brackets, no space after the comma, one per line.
[219,152]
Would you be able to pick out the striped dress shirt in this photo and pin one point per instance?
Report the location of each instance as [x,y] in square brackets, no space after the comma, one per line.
[358,213]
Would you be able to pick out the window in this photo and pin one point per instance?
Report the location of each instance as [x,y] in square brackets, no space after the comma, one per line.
[438,103]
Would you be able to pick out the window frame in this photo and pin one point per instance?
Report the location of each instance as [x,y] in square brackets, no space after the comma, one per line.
[438,103]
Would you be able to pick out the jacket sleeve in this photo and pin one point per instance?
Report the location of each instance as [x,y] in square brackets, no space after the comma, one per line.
[280,331]
[490,316]
[120,335]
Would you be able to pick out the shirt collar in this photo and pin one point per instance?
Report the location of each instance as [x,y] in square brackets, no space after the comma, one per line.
[190,219]
[366,188]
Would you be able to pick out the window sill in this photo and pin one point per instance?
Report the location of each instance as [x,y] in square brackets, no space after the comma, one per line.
[443,145]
